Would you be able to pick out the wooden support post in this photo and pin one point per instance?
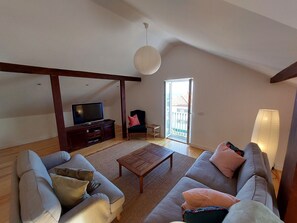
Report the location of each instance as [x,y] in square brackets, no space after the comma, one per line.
[123,108]
[59,111]
[287,193]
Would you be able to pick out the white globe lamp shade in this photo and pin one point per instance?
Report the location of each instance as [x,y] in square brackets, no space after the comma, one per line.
[266,133]
[147,60]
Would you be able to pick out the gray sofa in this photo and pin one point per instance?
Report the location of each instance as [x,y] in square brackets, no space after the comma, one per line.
[33,198]
[252,182]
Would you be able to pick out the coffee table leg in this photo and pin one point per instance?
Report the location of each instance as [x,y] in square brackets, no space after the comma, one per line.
[171,161]
[120,170]
[141,184]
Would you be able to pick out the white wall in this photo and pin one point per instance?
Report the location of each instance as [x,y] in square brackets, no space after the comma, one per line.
[21,130]
[226,98]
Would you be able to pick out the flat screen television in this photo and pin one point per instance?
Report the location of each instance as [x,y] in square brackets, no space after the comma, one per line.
[83,113]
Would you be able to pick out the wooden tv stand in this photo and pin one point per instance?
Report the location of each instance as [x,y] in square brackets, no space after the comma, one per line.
[80,136]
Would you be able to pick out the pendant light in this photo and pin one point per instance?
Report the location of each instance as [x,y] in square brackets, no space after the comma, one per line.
[147,59]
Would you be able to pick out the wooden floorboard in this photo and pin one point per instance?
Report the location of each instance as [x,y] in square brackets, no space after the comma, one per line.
[48,146]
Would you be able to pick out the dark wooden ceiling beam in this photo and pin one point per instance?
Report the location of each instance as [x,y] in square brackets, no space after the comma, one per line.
[19,68]
[285,74]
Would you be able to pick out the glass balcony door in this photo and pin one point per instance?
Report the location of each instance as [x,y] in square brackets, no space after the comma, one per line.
[178,97]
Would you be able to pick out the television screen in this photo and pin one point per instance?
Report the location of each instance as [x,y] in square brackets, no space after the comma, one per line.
[83,113]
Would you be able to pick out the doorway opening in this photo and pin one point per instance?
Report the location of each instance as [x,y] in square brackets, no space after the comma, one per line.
[178,107]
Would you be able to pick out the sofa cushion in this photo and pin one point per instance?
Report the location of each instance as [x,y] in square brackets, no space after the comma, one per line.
[250,211]
[254,165]
[94,209]
[226,160]
[203,197]
[169,209]
[55,159]
[115,195]
[38,201]
[77,162]
[206,173]
[28,160]
[256,189]
[137,129]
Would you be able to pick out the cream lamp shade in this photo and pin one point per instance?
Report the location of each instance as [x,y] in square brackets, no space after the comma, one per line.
[266,133]
[147,59]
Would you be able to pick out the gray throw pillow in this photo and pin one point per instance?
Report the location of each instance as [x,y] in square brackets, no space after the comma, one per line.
[80,174]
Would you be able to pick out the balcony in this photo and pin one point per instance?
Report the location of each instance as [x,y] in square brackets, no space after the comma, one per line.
[178,126]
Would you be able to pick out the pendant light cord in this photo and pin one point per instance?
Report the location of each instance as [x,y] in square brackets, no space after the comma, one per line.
[146,27]
[146,36]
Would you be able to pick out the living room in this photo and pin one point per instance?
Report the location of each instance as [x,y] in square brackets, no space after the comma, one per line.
[230,72]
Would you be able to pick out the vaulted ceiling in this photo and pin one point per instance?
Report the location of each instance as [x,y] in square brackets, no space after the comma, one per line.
[103,35]
[261,36]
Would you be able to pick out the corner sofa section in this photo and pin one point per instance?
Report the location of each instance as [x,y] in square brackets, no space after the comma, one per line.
[34,199]
[251,182]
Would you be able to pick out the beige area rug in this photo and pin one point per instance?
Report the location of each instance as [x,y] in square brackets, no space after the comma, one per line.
[156,184]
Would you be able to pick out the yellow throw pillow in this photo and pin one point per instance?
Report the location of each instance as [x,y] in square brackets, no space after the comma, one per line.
[69,191]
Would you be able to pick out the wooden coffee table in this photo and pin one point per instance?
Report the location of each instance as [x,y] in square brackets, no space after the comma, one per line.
[144,160]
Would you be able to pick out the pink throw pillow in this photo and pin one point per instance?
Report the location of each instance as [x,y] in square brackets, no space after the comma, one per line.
[203,197]
[226,160]
[133,121]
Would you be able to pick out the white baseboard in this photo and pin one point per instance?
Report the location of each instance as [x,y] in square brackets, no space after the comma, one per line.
[278,167]
[200,147]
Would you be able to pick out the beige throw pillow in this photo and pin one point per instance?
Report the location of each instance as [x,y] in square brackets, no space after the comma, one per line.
[79,174]
[69,191]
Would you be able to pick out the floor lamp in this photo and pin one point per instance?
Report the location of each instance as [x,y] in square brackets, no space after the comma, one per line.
[266,133]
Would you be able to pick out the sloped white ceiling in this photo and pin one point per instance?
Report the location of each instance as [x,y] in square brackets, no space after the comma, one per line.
[68,34]
[227,30]
[281,11]
[103,35]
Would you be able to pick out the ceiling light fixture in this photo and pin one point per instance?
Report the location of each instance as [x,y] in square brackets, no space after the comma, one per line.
[147,59]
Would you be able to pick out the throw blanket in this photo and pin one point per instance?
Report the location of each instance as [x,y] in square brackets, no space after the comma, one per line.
[250,212]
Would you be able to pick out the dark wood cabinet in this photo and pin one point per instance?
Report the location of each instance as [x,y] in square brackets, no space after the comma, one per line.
[80,136]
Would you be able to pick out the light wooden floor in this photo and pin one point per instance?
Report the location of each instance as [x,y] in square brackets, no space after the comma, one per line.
[45,147]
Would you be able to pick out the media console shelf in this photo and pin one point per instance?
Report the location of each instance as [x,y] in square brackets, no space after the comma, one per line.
[80,136]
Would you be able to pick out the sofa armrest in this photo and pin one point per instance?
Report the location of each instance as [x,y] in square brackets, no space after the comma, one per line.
[93,209]
[55,159]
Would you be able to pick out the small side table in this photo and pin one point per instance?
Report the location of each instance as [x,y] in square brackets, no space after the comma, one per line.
[154,129]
